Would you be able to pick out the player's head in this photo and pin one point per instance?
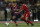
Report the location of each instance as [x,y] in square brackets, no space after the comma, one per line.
[14,4]
[21,2]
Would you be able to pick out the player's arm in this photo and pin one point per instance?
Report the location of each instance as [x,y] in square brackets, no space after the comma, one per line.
[21,9]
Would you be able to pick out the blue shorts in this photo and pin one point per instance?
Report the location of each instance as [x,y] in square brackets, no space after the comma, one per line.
[17,16]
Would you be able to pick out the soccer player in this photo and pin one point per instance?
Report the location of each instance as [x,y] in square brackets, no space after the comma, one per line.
[25,16]
[15,12]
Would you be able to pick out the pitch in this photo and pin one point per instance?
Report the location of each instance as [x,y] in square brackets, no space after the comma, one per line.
[19,25]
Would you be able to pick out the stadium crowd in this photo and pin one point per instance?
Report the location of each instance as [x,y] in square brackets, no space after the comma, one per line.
[32,5]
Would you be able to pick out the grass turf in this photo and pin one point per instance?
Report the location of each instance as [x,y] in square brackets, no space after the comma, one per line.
[19,25]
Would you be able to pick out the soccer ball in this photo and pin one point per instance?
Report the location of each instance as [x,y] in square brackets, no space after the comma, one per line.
[7,23]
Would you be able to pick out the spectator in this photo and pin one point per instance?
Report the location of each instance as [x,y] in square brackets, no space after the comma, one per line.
[5,13]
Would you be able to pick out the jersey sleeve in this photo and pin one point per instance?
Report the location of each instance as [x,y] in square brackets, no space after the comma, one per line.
[26,6]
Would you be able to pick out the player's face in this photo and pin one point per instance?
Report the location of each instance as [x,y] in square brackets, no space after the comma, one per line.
[14,4]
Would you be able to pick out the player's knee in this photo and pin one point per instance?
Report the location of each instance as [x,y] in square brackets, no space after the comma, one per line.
[22,16]
[26,18]
[14,17]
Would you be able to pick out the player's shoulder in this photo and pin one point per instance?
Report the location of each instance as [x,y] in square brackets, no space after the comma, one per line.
[25,5]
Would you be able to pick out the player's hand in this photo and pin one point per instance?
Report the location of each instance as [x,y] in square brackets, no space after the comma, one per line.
[16,12]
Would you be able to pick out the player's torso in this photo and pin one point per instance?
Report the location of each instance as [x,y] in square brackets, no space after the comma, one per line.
[15,10]
[26,8]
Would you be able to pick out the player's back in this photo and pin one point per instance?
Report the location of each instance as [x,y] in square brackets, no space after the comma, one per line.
[25,7]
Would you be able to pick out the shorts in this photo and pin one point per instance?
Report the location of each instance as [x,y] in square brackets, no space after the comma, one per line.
[26,15]
[17,16]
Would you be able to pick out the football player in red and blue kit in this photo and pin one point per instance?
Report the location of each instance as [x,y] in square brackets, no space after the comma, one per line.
[25,16]
[15,13]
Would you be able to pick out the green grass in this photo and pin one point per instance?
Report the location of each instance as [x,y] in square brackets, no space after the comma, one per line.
[19,25]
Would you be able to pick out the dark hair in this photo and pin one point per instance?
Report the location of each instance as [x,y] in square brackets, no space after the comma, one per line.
[14,2]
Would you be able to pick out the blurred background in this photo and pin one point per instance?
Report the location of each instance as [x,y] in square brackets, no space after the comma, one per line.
[33,5]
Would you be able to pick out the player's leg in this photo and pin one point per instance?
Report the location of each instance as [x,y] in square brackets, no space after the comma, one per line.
[23,18]
[14,18]
[29,21]
[26,18]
